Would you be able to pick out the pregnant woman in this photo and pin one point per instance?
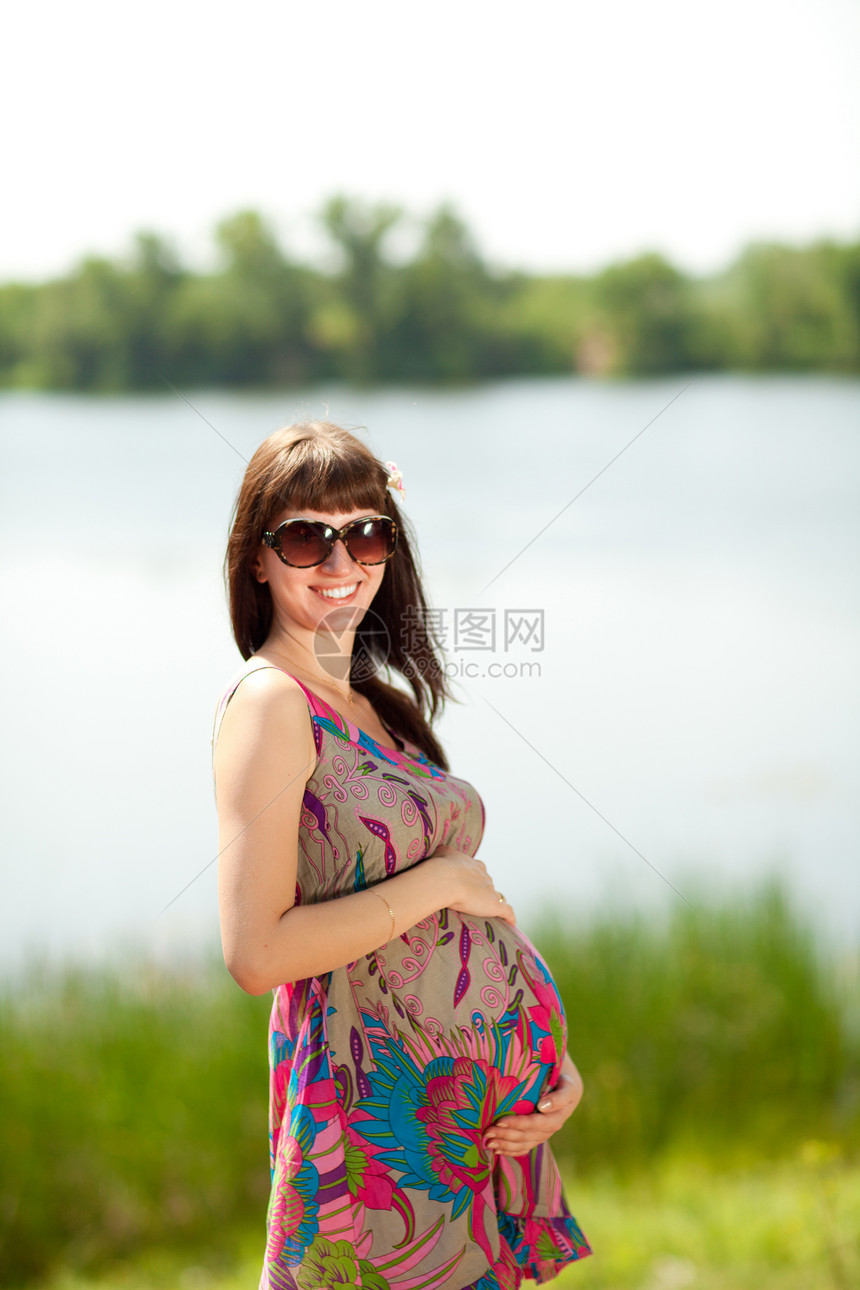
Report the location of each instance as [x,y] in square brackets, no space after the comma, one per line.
[417,1040]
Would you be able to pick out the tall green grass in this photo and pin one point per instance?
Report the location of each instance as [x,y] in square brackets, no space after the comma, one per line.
[791,1226]
[723,1029]
[133,1113]
[134,1105]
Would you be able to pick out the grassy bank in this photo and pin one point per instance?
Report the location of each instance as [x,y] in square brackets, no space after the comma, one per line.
[724,1029]
[720,1039]
[792,1226]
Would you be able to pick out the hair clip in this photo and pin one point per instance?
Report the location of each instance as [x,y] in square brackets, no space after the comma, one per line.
[394,482]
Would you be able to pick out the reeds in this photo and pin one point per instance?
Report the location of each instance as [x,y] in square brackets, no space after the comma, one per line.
[722,1030]
[134,1104]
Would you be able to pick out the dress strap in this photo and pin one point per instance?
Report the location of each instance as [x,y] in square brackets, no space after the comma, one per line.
[319,708]
[237,680]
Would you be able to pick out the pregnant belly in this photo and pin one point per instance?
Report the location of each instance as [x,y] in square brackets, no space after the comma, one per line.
[387,1074]
[431,1039]
[472,991]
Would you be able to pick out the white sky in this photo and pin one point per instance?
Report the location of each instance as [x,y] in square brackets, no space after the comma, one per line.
[568,134]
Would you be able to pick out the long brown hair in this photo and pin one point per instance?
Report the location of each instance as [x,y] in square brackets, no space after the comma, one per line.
[320,466]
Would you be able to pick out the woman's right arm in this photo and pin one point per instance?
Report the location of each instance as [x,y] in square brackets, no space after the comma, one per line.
[263,758]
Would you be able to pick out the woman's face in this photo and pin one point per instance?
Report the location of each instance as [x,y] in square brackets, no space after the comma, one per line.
[314,598]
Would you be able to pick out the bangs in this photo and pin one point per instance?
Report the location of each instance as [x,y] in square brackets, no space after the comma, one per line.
[315,474]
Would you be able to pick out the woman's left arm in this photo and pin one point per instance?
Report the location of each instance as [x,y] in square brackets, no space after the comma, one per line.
[516,1135]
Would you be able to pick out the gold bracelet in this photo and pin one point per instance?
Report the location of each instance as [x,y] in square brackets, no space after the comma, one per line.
[380,896]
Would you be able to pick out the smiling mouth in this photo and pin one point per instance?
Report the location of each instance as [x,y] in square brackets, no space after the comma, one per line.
[336,593]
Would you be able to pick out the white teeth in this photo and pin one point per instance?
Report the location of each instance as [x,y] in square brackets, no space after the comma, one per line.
[336,593]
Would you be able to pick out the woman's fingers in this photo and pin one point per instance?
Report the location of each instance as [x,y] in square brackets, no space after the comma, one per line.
[518,1125]
[480,897]
[503,1149]
[515,1145]
[565,1096]
[515,1135]
[505,911]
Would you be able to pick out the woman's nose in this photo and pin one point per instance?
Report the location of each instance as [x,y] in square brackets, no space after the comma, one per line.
[338,559]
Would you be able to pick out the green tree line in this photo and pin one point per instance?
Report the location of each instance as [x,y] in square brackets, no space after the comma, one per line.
[442,314]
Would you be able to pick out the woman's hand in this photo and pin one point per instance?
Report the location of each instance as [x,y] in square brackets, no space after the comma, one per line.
[471,888]
[516,1135]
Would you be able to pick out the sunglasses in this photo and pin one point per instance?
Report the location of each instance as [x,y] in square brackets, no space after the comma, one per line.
[306,543]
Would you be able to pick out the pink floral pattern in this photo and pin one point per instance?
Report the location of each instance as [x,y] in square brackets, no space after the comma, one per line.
[386,1073]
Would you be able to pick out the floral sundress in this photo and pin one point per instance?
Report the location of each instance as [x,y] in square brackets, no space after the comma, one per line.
[385,1074]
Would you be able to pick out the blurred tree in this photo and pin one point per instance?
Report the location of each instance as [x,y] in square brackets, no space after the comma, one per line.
[18,302]
[843,266]
[81,328]
[247,323]
[551,320]
[261,306]
[443,318]
[798,314]
[645,308]
[153,280]
[441,314]
[719,332]
[356,321]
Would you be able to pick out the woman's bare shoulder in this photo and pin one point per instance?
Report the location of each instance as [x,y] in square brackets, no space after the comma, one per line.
[267,700]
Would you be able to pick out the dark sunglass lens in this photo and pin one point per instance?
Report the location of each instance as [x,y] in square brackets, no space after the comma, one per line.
[372,541]
[301,545]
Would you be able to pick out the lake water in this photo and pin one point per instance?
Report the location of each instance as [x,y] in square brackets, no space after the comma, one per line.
[690,721]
